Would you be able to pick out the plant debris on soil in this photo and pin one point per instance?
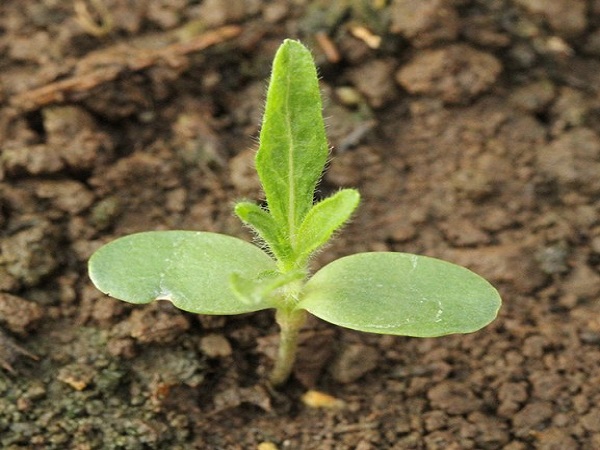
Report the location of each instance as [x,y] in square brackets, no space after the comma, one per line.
[471,128]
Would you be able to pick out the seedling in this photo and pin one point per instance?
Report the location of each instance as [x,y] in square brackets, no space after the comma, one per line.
[209,273]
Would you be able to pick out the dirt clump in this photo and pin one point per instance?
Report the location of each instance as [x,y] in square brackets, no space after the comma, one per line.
[455,74]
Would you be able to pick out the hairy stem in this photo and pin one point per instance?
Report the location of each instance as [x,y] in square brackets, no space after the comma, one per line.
[290,322]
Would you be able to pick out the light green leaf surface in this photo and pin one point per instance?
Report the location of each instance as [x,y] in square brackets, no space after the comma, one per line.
[257,289]
[189,268]
[400,293]
[324,218]
[263,223]
[293,146]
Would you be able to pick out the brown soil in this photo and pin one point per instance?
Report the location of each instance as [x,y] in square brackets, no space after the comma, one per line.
[471,128]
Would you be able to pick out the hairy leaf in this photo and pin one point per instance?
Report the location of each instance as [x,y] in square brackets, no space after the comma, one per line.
[324,218]
[192,269]
[293,147]
[263,223]
[400,293]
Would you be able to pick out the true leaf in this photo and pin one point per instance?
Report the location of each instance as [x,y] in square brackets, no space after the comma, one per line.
[400,293]
[266,227]
[293,147]
[324,218]
[192,269]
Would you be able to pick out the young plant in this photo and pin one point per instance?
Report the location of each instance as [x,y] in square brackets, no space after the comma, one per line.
[209,273]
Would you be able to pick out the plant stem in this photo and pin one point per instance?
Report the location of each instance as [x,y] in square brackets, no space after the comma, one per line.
[290,322]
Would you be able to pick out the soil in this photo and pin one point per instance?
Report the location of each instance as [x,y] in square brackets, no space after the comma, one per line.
[471,128]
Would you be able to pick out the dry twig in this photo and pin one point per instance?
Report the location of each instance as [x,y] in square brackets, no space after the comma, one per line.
[108,64]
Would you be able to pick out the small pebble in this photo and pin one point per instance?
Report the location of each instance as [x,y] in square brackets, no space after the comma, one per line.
[215,346]
[349,96]
[266,446]
[317,399]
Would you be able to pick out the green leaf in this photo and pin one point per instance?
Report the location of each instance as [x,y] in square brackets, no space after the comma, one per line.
[324,218]
[400,293]
[264,224]
[255,290]
[189,268]
[293,147]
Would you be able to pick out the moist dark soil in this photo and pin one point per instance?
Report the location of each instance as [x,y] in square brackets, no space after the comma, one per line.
[472,130]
